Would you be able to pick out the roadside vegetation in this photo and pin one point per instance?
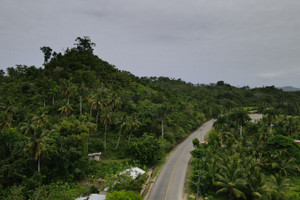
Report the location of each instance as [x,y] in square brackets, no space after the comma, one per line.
[258,161]
[52,117]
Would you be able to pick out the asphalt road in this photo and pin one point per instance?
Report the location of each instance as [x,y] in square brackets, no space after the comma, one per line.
[170,182]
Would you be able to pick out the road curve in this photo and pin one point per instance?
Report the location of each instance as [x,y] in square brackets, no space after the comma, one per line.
[170,182]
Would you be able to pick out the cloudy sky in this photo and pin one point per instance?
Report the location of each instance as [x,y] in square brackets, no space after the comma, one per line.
[243,42]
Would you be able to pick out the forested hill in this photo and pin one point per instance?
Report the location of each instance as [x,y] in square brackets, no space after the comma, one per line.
[49,113]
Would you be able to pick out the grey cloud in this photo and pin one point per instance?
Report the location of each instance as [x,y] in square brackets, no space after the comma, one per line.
[249,42]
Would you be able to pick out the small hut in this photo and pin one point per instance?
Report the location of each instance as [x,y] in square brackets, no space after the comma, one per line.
[95,156]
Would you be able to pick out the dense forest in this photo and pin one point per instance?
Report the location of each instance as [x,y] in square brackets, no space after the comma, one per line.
[51,117]
[245,159]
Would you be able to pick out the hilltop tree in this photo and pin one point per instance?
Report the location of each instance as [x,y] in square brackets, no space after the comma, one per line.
[84,44]
[47,53]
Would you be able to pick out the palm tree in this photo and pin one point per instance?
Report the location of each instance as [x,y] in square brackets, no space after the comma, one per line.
[97,102]
[106,119]
[271,117]
[256,183]
[123,124]
[69,89]
[53,91]
[28,128]
[85,126]
[134,124]
[280,185]
[66,109]
[230,179]
[38,144]
[40,119]
[291,125]
[240,117]
[284,164]
[114,101]
[220,122]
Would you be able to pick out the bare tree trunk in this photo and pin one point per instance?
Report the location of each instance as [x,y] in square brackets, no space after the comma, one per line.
[68,99]
[241,131]
[129,137]
[97,116]
[118,139]
[39,164]
[80,105]
[53,100]
[44,103]
[91,110]
[87,146]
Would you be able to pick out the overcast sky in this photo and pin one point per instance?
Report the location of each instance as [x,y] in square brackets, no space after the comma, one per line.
[242,42]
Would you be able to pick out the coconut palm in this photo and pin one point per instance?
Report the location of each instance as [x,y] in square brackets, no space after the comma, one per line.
[283,164]
[291,125]
[97,102]
[240,117]
[230,179]
[133,125]
[38,145]
[69,89]
[106,118]
[28,127]
[40,119]
[123,126]
[256,183]
[66,109]
[271,117]
[280,185]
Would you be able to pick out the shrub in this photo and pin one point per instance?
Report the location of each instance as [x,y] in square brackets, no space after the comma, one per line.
[123,195]
[280,142]
[146,149]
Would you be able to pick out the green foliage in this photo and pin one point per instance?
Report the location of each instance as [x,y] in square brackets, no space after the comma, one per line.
[94,189]
[196,143]
[280,142]
[146,150]
[260,170]
[123,195]
[16,193]
[78,104]
[123,181]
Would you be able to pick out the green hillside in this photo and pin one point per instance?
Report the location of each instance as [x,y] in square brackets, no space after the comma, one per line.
[53,116]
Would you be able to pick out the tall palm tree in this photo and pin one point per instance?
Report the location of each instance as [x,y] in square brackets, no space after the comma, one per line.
[134,125]
[256,183]
[97,102]
[123,126]
[68,89]
[106,118]
[230,179]
[85,126]
[38,144]
[220,122]
[240,117]
[271,117]
[291,125]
